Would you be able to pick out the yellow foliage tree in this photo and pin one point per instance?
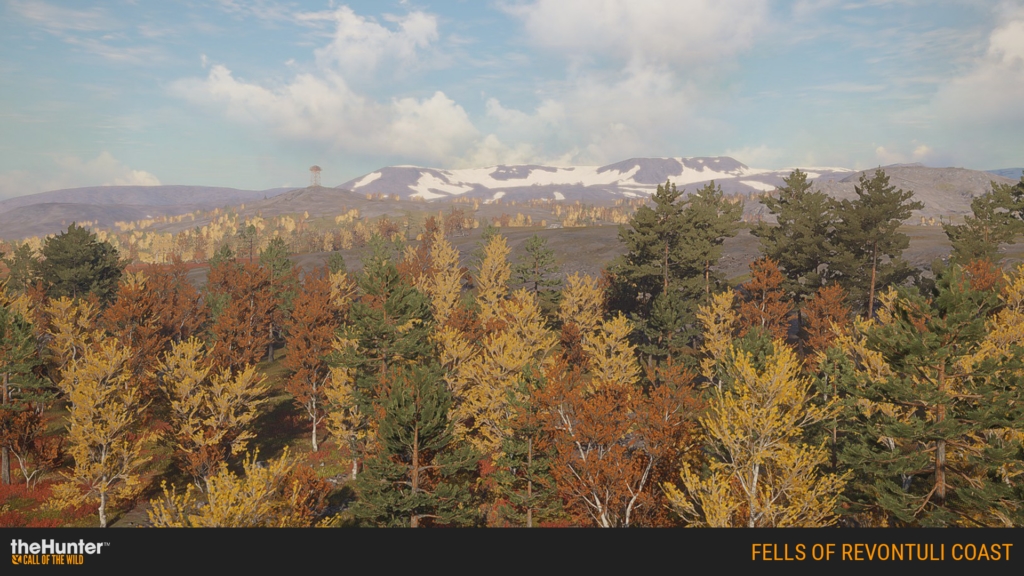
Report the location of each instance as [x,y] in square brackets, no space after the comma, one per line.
[71,329]
[582,302]
[761,474]
[345,421]
[487,380]
[211,413]
[104,436]
[718,320]
[258,498]
[492,278]
[612,357]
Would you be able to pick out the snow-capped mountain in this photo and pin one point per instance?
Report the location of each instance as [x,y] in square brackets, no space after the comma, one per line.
[635,177]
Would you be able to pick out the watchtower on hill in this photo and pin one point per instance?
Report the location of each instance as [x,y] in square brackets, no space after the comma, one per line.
[314,175]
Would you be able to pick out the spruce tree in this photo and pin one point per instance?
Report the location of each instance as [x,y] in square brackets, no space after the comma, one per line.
[869,243]
[535,270]
[21,264]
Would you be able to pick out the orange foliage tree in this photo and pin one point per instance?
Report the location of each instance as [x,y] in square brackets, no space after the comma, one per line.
[311,331]
[764,302]
[243,329]
[826,313]
[612,445]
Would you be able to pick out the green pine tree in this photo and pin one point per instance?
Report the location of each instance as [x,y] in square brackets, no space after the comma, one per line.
[21,386]
[869,245]
[75,263]
[669,266]
[930,438]
[801,241]
[535,268]
[993,222]
[420,476]
[21,265]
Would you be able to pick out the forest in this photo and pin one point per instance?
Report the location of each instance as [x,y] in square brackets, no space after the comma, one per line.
[836,385]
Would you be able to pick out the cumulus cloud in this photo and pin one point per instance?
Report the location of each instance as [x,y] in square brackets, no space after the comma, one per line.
[324,109]
[359,44]
[989,92]
[919,153]
[674,34]
[74,172]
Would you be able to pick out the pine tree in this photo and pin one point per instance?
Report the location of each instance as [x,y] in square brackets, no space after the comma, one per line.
[869,243]
[75,263]
[801,241]
[419,475]
[21,387]
[389,325]
[934,408]
[993,222]
[21,265]
[668,269]
[535,268]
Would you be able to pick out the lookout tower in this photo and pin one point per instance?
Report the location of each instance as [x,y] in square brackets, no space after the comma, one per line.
[314,175]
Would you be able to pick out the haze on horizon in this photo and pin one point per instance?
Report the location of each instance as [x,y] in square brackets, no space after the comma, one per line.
[249,93]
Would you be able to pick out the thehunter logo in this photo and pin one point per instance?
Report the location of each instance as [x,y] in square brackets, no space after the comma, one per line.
[53,552]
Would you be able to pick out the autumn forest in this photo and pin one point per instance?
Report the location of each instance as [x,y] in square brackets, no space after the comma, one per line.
[834,385]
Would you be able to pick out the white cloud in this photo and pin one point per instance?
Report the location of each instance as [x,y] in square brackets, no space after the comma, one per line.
[359,44]
[989,93]
[326,110]
[674,34]
[920,153]
[597,119]
[762,156]
[59,18]
[73,172]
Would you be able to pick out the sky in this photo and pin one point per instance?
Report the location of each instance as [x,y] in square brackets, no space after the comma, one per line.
[250,93]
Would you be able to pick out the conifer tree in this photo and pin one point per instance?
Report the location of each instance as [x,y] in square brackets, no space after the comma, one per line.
[75,264]
[21,387]
[934,410]
[993,222]
[535,267]
[419,475]
[869,243]
[389,325]
[21,266]
[668,269]
[802,240]
[492,277]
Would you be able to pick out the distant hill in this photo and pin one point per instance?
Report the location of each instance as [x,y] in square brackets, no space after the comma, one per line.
[945,192]
[50,212]
[636,177]
[1012,173]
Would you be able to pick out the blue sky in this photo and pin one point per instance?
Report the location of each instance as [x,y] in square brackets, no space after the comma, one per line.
[250,93]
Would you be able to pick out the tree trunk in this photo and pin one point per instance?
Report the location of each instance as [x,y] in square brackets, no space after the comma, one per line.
[355,467]
[103,509]
[314,436]
[414,522]
[5,457]
[871,292]
[940,445]
[529,482]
